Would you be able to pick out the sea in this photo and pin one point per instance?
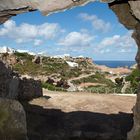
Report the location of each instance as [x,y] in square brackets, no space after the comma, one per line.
[115,64]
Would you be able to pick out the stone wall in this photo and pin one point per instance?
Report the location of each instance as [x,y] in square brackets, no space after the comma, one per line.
[29,89]
[14,87]
[12,114]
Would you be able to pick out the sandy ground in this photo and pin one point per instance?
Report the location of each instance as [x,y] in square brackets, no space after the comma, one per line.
[80,116]
[119,70]
[101,103]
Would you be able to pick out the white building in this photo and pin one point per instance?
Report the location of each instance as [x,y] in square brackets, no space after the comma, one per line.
[61,56]
[6,49]
[72,64]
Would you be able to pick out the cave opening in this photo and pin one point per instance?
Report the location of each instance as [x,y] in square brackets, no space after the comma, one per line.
[95,22]
[62,123]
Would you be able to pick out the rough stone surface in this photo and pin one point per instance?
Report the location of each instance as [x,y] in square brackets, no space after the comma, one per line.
[135,132]
[8,82]
[131,21]
[136,36]
[14,7]
[12,120]
[14,87]
[135,7]
[10,59]
[12,115]
[126,19]
[29,89]
[37,60]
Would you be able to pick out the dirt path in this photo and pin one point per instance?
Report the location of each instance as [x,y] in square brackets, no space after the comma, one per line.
[81,76]
[79,116]
[82,85]
[74,87]
[103,103]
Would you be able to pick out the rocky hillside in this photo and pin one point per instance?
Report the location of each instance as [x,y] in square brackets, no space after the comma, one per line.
[67,73]
[48,69]
[26,64]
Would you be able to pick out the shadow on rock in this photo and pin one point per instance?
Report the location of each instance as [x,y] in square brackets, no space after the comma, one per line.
[53,124]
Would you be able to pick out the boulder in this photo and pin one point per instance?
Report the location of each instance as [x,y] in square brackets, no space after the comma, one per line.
[134,134]
[9,82]
[29,89]
[63,84]
[12,86]
[10,59]
[37,60]
[12,120]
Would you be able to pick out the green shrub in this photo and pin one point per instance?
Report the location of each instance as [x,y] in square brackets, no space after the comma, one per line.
[28,68]
[96,78]
[134,78]
[103,89]
[24,56]
[51,87]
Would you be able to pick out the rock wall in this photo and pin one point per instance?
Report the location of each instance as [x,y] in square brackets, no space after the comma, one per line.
[9,82]
[131,20]
[29,89]
[135,133]
[14,7]
[12,114]
[14,87]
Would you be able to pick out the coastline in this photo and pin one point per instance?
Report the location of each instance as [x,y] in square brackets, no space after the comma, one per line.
[115,63]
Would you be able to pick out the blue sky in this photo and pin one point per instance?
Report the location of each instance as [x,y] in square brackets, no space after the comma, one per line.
[92,30]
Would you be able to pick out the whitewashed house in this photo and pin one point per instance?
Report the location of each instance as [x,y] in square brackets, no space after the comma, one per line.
[6,49]
[72,64]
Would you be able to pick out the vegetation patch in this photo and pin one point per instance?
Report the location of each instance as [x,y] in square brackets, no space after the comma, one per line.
[96,78]
[52,87]
[134,79]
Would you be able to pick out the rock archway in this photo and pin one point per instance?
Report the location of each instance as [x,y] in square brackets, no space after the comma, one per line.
[127,11]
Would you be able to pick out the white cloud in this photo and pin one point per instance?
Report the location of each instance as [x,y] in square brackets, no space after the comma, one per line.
[77,39]
[125,51]
[22,51]
[123,43]
[29,33]
[105,51]
[97,23]
[108,41]
[38,42]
